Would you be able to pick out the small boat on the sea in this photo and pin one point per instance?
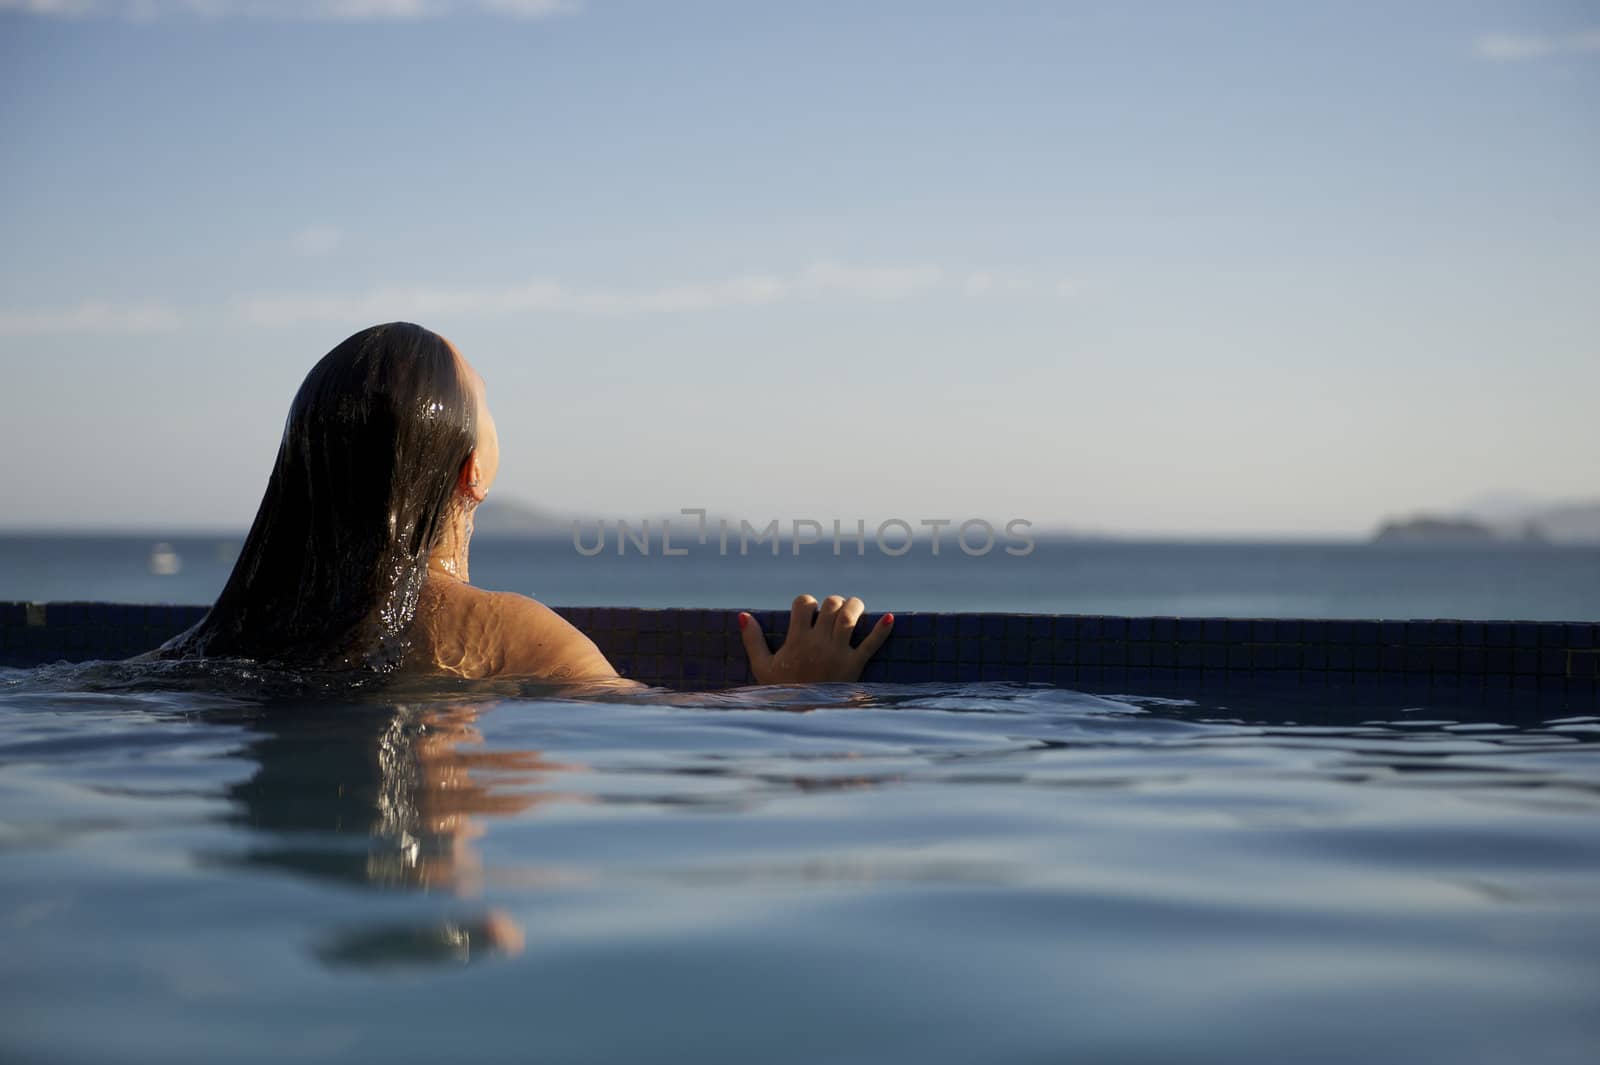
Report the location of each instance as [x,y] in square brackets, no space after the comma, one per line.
[164,561]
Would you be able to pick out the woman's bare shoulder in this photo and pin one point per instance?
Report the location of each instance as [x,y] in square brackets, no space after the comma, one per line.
[478,633]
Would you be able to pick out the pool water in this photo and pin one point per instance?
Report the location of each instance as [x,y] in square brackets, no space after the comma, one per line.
[244,867]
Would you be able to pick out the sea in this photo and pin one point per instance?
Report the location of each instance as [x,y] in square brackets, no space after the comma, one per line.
[219,862]
[1063,575]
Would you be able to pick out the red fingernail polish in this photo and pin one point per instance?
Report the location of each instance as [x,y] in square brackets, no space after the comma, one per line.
[888,619]
[744,619]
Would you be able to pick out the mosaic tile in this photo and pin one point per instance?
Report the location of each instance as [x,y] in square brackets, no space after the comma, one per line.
[702,648]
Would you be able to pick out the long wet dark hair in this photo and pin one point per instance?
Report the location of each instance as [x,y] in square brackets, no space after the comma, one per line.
[360,492]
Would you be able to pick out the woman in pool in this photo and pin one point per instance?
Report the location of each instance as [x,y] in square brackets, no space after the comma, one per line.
[358,554]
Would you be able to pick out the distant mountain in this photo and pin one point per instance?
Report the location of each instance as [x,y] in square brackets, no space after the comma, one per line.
[1432,529]
[498,517]
[1502,519]
[1568,523]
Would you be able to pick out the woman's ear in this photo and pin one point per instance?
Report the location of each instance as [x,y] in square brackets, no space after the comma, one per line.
[470,481]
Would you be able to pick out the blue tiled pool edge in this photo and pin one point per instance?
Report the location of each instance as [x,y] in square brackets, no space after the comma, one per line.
[701,649]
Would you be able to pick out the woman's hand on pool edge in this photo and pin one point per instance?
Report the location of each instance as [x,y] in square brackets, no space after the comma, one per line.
[817,647]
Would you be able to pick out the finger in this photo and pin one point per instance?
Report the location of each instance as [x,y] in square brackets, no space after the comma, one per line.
[875,638]
[755,645]
[845,621]
[829,609]
[802,613]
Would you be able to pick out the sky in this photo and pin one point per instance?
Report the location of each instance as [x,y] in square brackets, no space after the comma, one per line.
[1216,269]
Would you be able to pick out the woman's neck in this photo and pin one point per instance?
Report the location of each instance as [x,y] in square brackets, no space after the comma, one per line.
[449,555]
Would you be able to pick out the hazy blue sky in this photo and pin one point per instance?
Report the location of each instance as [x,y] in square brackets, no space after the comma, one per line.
[1186,267]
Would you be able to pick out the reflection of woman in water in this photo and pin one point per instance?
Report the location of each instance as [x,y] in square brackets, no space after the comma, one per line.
[358,554]
[388,798]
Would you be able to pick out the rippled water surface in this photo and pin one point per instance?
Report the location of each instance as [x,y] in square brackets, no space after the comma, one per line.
[928,874]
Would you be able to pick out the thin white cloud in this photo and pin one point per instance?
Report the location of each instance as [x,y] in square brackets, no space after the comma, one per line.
[530,8]
[554,297]
[56,8]
[983,282]
[538,296]
[292,10]
[316,240]
[1517,47]
[91,317]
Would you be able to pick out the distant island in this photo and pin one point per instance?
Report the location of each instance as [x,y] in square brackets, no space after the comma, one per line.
[1576,523]
[1560,523]
[509,518]
[1429,529]
[502,517]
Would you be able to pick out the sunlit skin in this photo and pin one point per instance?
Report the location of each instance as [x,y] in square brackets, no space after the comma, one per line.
[451,803]
[470,632]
